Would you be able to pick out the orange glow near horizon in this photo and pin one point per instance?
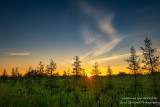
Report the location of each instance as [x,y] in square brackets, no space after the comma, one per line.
[24,64]
[24,69]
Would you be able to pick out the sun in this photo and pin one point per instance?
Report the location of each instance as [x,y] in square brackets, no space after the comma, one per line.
[89,75]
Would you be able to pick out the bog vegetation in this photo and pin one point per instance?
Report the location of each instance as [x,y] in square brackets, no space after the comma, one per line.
[43,87]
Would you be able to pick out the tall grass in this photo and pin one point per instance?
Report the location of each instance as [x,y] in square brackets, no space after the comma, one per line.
[91,92]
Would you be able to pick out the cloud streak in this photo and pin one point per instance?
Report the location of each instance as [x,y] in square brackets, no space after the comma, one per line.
[106,47]
[89,37]
[113,57]
[19,54]
[104,23]
[106,26]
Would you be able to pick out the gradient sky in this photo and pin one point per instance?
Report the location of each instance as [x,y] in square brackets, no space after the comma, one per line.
[95,30]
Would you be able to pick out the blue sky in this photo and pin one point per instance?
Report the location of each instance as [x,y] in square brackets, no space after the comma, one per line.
[95,30]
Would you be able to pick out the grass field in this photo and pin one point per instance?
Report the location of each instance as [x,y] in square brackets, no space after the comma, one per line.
[89,91]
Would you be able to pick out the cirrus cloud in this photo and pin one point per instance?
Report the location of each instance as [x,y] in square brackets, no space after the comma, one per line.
[19,54]
[104,23]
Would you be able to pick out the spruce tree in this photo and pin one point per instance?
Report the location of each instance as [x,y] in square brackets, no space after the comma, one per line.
[150,60]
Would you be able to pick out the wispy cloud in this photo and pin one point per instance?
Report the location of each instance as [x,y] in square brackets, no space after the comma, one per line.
[19,54]
[113,57]
[116,57]
[106,47]
[106,26]
[89,37]
[104,22]
[84,56]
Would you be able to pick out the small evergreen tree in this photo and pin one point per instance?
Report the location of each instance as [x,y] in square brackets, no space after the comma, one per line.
[17,73]
[95,70]
[150,60]
[64,73]
[13,73]
[77,68]
[41,68]
[133,64]
[109,73]
[4,75]
[48,70]
[68,72]
[30,69]
[52,68]
[83,72]
[40,72]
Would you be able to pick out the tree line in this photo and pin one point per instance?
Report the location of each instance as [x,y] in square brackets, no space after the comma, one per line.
[150,62]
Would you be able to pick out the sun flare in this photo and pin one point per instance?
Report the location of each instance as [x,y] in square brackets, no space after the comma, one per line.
[89,75]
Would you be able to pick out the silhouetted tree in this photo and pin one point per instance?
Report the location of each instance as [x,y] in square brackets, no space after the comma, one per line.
[109,70]
[77,68]
[95,70]
[40,72]
[122,74]
[68,72]
[48,81]
[64,73]
[83,72]
[31,73]
[13,73]
[48,70]
[17,73]
[109,73]
[51,69]
[41,68]
[57,74]
[133,64]
[30,69]
[4,75]
[68,78]
[150,60]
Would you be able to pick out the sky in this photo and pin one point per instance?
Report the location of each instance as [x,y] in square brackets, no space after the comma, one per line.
[95,30]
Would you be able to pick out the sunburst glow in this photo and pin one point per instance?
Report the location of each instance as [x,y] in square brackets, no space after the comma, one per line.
[89,75]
